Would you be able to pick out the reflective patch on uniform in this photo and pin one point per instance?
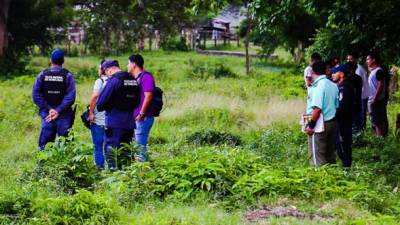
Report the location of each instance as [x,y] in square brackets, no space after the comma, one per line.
[340,96]
[54,78]
[130,83]
[54,92]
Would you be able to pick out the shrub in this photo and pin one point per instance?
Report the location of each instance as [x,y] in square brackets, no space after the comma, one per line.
[86,73]
[213,138]
[201,70]
[237,176]
[284,144]
[174,44]
[14,206]
[65,165]
[81,208]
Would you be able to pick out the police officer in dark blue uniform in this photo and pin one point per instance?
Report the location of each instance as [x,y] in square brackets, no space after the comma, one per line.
[344,114]
[54,93]
[119,98]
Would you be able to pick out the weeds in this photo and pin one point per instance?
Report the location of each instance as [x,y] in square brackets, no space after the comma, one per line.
[213,138]
[200,70]
[65,166]
[225,144]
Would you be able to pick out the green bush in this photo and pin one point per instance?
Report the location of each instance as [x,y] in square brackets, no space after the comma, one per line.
[237,176]
[86,74]
[205,70]
[210,137]
[381,155]
[14,206]
[174,44]
[66,165]
[286,144]
[81,208]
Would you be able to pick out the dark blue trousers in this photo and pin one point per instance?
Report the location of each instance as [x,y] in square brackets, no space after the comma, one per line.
[114,138]
[364,110]
[49,130]
[344,139]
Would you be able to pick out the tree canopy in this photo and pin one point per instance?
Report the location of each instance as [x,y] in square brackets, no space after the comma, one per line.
[29,23]
[331,27]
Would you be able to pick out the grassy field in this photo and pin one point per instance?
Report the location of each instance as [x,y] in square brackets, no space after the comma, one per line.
[226,144]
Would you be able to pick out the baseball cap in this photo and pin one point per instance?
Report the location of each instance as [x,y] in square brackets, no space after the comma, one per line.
[341,68]
[109,63]
[57,54]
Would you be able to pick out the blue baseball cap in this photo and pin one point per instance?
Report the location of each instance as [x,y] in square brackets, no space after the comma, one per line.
[341,68]
[109,63]
[57,54]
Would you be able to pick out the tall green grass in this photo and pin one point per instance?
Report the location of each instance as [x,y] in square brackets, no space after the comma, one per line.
[223,145]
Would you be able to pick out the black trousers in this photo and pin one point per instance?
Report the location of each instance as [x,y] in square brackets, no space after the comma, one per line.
[344,140]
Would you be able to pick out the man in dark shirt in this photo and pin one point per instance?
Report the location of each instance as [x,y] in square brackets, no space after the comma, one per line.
[54,93]
[357,82]
[119,98]
[344,114]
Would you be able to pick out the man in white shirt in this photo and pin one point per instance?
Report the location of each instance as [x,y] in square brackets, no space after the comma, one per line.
[315,57]
[378,96]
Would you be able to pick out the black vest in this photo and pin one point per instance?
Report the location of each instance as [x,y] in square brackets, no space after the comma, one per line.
[127,96]
[54,86]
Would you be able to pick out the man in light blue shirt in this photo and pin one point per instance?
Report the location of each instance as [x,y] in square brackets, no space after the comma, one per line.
[322,100]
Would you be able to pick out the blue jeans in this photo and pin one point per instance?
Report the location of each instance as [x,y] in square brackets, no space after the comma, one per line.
[98,142]
[49,130]
[142,132]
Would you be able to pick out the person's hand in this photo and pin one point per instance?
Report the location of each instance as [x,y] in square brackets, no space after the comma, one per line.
[309,131]
[140,117]
[53,114]
[91,117]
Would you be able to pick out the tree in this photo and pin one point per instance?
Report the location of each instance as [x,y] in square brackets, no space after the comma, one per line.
[360,26]
[28,23]
[216,5]
[287,23]
[4,5]
[118,24]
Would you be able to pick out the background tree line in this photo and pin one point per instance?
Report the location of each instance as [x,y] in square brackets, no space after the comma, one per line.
[331,27]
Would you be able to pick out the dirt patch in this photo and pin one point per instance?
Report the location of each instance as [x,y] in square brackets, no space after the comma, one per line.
[280,211]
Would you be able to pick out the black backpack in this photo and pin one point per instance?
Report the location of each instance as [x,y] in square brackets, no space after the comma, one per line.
[157,102]
[85,117]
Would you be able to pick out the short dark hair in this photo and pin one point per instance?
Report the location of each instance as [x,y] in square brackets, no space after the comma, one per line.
[319,67]
[58,61]
[351,67]
[354,54]
[137,59]
[374,56]
[316,56]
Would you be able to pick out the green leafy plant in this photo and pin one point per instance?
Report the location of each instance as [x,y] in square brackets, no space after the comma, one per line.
[65,165]
[209,137]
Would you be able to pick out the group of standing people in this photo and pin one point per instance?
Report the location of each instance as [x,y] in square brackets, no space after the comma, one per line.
[339,97]
[120,108]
